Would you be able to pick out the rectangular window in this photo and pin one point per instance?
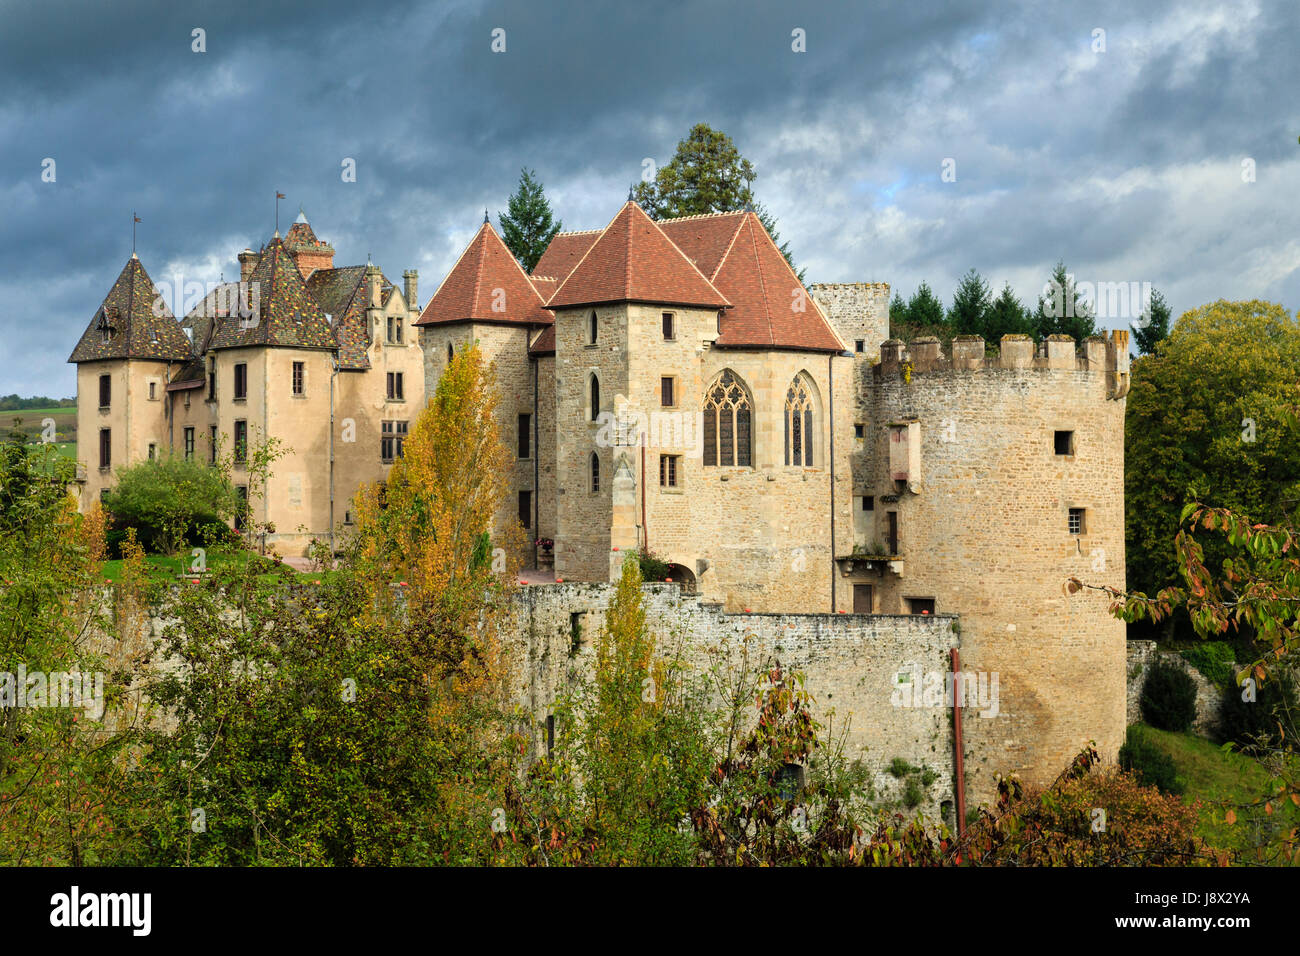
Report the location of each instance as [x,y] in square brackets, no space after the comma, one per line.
[153,391]
[105,447]
[669,466]
[395,329]
[395,391]
[212,383]
[1078,521]
[212,444]
[526,508]
[241,506]
[862,599]
[153,451]
[105,391]
[1064,443]
[241,441]
[391,441]
[860,345]
[920,605]
[666,392]
[868,503]
[892,531]
[524,439]
[189,444]
[299,377]
[859,431]
[241,381]
[669,331]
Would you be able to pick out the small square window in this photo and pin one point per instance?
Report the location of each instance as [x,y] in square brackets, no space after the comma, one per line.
[868,503]
[1064,442]
[1078,521]
[859,431]
[860,345]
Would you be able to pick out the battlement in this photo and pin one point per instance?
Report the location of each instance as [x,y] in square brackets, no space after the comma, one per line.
[1101,354]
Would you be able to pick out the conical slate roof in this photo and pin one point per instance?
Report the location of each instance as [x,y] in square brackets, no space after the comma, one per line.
[138,320]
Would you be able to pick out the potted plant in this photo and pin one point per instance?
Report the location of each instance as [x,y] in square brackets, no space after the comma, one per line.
[545,555]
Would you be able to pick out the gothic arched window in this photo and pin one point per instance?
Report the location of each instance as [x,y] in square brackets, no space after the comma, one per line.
[728,413]
[595,398]
[799,434]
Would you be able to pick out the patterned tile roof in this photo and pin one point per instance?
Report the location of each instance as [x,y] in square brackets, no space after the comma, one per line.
[634,261]
[288,314]
[136,329]
[771,307]
[301,238]
[565,251]
[486,285]
[341,294]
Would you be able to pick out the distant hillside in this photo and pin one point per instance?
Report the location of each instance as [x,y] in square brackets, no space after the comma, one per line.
[12,403]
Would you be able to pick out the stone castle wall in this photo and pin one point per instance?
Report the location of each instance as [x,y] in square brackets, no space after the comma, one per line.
[982,511]
[850,664]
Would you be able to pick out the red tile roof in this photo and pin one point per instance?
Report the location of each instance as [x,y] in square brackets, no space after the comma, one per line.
[565,251]
[771,308]
[633,261]
[704,239]
[545,344]
[470,290]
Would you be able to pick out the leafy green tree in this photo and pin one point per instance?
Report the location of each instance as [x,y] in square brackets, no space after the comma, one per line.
[970,305]
[1061,311]
[1153,327]
[165,499]
[1210,417]
[527,226]
[707,174]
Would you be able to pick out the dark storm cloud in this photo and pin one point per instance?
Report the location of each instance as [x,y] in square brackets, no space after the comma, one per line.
[1126,163]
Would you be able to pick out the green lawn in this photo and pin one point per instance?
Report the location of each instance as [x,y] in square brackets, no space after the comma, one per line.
[167,570]
[1217,778]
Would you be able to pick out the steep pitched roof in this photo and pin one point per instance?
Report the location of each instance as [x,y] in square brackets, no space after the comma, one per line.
[288,314]
[470,290]
[563,252]
[766,295]
[704,239]
[545,343]
[341,294]
[137,330]
[302,238]
[633,261]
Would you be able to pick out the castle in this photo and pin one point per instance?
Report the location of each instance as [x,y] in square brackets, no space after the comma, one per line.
[672,386]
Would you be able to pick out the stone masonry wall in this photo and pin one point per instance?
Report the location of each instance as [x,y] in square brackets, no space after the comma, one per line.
[850,663]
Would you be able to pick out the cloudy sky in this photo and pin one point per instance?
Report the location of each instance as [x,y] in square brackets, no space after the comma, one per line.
[1170,156]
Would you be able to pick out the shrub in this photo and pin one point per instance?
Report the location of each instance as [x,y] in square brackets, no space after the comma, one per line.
[1169,697]
[1214,659]
[167,499]
[1244,722]
[1152,767]
[652,568]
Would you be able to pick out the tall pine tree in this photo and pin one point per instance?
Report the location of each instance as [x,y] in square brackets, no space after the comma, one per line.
[1006,316]
[527,227]
[970,305]
[1060,311]
[1153,327]
[707,174]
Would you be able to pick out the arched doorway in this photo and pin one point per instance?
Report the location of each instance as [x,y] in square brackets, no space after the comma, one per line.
[682,575]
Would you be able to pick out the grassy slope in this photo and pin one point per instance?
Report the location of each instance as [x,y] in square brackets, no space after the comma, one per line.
[161,568]
[1216,778]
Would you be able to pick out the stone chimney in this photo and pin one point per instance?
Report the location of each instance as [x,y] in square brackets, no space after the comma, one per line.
[411,289]
[248,260]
